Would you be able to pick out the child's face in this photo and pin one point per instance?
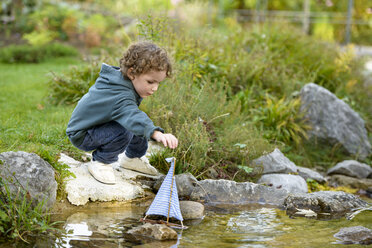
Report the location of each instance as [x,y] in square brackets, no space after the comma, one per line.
[147,83]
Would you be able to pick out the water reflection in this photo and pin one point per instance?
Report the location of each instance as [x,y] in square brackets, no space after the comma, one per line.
[99,226]
[244,228]
[76,232]
[227,226]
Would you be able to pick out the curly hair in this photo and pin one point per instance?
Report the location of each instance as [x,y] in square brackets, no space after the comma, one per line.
[143,57]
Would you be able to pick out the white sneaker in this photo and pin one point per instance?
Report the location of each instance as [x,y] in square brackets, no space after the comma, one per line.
[103,173]
[137,164]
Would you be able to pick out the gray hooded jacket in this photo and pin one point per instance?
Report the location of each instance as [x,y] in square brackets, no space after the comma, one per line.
[111,98]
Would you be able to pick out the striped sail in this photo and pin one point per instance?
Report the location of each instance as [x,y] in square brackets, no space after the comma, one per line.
[160,205]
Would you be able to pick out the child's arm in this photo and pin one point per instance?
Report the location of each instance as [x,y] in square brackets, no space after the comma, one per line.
[168,139]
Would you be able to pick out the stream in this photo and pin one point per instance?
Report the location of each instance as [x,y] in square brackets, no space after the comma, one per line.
[106,225]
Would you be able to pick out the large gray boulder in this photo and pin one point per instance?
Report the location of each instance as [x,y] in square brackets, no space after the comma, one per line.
[333,120]
[355,235]
[352,182]
[351,168]
[291,183]
[230,192]
[336,203]
[30,172]
[275,162]
[307,173]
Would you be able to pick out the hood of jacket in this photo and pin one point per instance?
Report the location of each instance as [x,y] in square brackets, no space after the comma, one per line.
[111,77]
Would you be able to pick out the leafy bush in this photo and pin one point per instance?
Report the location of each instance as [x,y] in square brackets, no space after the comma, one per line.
[53,21]
[211,131]
[58,21]
[69,87]
[34,54]
[277,119]
[37,38]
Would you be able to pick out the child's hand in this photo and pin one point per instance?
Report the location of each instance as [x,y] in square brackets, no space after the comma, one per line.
[167,139]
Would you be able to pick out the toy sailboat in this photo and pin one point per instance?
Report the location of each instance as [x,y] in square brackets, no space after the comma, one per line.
[166,201]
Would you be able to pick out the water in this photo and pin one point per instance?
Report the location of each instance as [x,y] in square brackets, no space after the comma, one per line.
[106,225]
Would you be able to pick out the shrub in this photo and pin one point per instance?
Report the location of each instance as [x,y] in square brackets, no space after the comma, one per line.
[280,119]
[37,38]
[50,19]
[34,54]
[211,131]
[69,87]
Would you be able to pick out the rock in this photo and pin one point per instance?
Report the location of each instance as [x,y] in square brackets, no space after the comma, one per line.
[369,192]
[275,162]
[84,187]
[156,231]
[230,192]
[351,168]
[153,148]
[191,210]
[306,173]
[333,120]
[336,203]
[30,171]
[355,235]
[185,184]
[291,183]
[352,182]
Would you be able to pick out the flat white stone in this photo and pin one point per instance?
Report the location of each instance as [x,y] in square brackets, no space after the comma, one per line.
[84,187]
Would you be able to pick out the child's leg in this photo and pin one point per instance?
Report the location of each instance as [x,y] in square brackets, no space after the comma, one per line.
[108,141]
[137,147]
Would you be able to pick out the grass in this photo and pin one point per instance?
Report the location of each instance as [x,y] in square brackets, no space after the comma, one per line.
[28,122]
[19,217]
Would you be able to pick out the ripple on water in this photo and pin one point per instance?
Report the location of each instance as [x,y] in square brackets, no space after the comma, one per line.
[227,226]
[249,228]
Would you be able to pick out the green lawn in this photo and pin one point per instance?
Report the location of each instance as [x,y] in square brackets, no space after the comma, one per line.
[27,121]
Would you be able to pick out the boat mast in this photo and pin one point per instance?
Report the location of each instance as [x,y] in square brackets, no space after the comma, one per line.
[170,198]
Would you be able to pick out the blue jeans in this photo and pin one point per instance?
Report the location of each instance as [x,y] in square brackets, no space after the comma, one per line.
[110,139]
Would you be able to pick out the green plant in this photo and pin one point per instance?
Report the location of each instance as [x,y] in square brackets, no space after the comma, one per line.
[47,23]
[62,172]
[153,28]
[19,217]
[281,120]
[69,87]
[158,159]
[36,38]
[314,186]
[208,128]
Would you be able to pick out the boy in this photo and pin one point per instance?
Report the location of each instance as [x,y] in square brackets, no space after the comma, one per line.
[107,119]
